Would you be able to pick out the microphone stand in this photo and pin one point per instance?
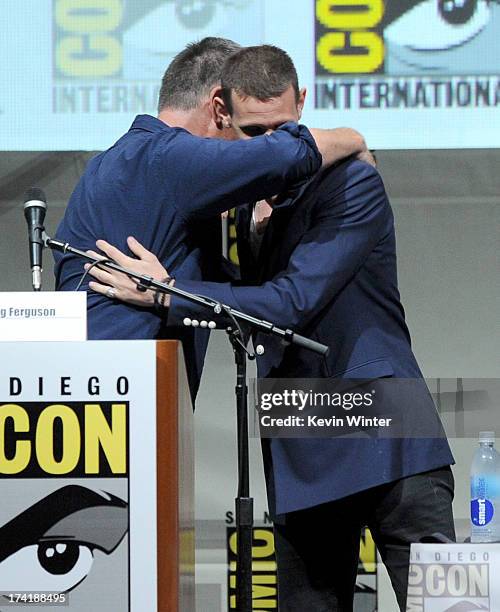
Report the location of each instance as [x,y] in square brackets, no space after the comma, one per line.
[243,501]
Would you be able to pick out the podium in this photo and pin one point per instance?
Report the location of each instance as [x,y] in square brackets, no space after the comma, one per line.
[175,473]
[96,475]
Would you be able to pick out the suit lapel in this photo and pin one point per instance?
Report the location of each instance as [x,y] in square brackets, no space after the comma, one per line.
[287,225]
[284,231]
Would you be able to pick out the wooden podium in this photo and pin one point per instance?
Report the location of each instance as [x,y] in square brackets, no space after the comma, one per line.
[175,480]
[96,461]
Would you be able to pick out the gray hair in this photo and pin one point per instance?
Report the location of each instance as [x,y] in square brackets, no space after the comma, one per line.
[194,72]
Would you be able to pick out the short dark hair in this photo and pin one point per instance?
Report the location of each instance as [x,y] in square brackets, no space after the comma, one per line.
[193,72]
[262,72]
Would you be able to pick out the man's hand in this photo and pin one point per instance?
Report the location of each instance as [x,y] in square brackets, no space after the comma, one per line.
[119,286]
[368,157]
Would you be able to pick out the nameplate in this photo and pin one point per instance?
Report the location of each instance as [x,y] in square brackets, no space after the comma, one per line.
[45,316]
[445,577]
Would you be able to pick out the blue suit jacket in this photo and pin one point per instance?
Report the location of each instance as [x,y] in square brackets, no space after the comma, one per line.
[328,268]
[167,188]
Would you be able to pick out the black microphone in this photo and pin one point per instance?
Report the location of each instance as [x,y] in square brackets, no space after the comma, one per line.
[35,207]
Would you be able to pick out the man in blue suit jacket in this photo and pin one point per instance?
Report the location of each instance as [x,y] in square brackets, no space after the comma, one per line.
[326,266]
[165,182]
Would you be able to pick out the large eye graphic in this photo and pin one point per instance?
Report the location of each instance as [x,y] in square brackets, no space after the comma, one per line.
[195,13]
[58,558]
[436,25]
[457,12]
[51,546]
[47,566]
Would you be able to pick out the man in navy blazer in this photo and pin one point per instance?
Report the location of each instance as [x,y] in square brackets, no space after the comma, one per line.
[166,183]
[326,267]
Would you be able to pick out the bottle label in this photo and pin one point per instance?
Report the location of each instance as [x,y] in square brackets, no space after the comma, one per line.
[481,511]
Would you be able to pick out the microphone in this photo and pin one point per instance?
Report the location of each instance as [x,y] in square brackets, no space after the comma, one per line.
[35,207]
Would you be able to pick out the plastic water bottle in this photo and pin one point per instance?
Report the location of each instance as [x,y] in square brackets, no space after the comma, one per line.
[485,491]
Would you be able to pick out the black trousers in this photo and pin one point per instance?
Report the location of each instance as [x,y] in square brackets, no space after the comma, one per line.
[317,549]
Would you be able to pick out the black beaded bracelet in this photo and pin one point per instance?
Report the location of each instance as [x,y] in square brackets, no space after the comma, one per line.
[160,296]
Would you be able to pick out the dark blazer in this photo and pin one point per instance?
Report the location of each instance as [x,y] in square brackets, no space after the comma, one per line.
[167,188]
[327,268]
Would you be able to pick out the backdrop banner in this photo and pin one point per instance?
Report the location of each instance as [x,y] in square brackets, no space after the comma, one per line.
[406,73]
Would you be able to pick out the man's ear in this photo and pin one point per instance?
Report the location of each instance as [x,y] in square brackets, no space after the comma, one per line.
[220,113]
[301,101]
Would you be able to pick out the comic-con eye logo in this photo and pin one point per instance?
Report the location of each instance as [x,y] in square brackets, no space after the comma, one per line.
[458,12]
[198,14]
[383,36]
[52,545]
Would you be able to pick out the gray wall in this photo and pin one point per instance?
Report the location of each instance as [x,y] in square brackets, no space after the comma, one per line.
[54,172]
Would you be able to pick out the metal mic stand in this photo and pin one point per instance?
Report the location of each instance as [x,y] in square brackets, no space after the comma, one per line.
[243,502]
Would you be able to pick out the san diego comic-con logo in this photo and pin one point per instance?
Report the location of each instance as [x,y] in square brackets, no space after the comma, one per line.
[445,586]
[397,43]
[109,55]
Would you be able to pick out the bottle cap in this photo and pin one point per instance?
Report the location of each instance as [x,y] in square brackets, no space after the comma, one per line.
[487,436]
